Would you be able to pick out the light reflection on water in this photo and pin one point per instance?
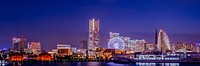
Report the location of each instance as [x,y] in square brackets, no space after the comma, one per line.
[115,64]
[156,64]
[99,64]
[93,64]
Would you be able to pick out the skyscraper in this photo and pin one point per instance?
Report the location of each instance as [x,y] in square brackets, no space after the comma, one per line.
[19,43]
[93,40]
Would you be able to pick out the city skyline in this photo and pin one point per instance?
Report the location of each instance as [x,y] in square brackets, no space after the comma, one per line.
[64,22]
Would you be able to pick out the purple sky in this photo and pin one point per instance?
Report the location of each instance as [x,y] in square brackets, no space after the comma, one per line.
[52,22]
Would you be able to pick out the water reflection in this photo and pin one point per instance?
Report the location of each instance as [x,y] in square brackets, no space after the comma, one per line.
[82,64]
[115,64]
[156,64]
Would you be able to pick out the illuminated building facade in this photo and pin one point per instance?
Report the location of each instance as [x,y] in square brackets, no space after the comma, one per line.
[179,45]
[55,51]
[17,57]
[63,49]
[19,43]
[112,35]
[93,41]
[197,47]
[132,45]
[150,47]
[127,43]
[139,45]
[73,50]
[44,57]
[35,47]
[83,51]
[173,47]
[191,47]
[163,41]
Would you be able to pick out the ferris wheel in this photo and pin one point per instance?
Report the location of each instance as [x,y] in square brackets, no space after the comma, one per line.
[116,43]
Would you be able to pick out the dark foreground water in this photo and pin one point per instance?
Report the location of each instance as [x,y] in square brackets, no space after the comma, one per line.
[104,64]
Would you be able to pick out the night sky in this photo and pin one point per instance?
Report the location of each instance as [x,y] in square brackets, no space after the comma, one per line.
[55,22]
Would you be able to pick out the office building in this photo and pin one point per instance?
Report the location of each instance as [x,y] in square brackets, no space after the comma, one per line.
[35,47]
[73,50]
[127,43]
[19,43]
[140,45]
[63,49]
[112,35]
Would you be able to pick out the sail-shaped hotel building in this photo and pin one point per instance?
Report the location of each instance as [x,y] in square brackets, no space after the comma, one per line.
[163,41]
